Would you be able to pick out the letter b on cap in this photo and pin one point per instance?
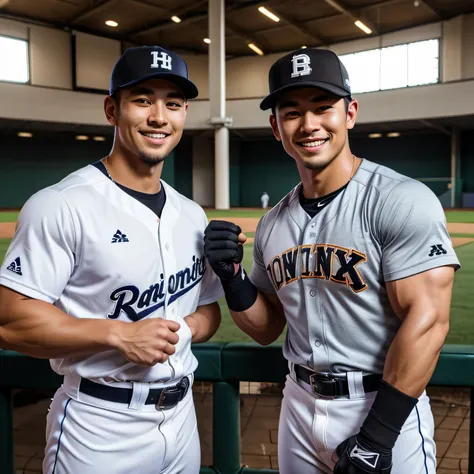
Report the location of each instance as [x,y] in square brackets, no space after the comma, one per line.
[161,57]
[301,64]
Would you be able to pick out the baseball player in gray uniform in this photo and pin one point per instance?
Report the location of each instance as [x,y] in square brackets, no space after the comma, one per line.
[106,277]
[357,261]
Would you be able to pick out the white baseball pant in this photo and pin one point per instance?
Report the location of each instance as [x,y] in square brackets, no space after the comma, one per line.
[312,427]
[93,436]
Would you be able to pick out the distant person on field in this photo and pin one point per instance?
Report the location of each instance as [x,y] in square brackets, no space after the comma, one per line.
[265,198]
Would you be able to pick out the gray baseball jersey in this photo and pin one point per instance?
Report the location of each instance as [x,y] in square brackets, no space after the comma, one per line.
[330,271]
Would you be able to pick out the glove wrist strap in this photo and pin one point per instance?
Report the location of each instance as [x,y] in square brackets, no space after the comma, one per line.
[240,293]
[388,414]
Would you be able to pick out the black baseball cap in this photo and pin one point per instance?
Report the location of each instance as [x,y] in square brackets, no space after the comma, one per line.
[307,67]
[147,62]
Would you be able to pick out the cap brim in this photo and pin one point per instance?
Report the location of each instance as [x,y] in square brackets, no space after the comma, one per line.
[270,99]
[189,89]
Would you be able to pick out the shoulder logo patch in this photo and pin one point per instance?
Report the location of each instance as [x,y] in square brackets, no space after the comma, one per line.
[437,250]
[119,237]
[15,266]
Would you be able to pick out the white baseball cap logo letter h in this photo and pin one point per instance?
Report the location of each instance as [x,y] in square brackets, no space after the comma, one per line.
[161,57]
[301,64]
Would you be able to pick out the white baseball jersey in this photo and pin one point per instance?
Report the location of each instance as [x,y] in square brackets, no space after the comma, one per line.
[92,250]
[330,271]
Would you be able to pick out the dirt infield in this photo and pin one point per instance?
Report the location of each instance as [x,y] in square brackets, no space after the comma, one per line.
[6,230]
[249,224]
[454,228]
[457,241]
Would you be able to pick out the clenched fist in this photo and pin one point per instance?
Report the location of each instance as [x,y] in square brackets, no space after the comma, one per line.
[223,248]
[146,342]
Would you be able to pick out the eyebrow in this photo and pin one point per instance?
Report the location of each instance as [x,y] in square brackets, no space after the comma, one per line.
[147,91]
[314,100]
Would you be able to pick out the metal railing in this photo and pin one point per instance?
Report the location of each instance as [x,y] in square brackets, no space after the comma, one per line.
[225,365]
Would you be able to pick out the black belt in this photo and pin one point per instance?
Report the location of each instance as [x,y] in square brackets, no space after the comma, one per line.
[163,398]
[332,386]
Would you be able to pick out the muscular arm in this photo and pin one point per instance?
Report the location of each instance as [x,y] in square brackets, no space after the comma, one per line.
[39,329]
[264,321]
[422,302]
[204,322]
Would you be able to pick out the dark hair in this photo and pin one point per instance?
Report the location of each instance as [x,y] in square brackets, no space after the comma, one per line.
[347,101]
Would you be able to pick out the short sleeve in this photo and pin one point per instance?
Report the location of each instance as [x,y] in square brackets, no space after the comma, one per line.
[41,256]
[413,232]
[211,287]
[259,276]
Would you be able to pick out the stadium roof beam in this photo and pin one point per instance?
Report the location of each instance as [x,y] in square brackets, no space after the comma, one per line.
[336,4]
[300,27]
[91,11]
[440,128]
[192,17]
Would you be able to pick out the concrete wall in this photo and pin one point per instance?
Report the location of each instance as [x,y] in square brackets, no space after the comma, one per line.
[52,68]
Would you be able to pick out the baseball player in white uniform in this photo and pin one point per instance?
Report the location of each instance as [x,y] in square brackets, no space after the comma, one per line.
[106,277]
[357,261]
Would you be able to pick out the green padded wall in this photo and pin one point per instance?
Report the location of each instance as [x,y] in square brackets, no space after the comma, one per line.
[467,161]
[30,164]
[265,166]
[234,173]
[183,167]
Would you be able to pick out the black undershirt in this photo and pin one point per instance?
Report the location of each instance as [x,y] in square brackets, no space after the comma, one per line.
[314,206]
[154,202]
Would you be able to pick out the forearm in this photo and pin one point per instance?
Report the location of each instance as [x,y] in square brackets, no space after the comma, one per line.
[204,322]
[262,321]
[39,329]
[414,352]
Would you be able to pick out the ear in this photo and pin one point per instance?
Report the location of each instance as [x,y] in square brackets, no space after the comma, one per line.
[186,106]
[274,125]
[111,110]
[352,111]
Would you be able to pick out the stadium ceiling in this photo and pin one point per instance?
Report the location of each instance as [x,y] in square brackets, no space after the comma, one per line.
[311,23]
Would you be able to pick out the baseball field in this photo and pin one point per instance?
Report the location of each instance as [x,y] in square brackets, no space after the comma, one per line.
[461,229]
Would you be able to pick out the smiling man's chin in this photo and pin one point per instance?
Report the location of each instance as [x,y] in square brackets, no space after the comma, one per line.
[316,162]
[152,159]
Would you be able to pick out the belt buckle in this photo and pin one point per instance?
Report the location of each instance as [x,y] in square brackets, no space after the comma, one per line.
[161,400]
[319,381]
[182,386]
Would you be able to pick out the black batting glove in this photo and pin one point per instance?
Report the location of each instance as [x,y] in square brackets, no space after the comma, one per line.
[360,455]
[222,248]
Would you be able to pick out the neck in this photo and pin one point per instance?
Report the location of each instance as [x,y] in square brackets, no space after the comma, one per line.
[318,183]
[134,174]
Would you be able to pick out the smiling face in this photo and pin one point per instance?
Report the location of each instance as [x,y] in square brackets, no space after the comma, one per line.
[148,118]
[312,125]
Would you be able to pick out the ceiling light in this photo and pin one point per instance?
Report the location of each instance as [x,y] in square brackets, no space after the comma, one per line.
[25,134]
[111,23]
[375,135]
[176,19]
[256,49]
[99,139]
[393,134]
[303,47]
[268,14]
[363,27]
[82,137]
[207,40]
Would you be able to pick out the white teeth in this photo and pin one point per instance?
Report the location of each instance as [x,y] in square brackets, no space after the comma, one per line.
[311,144]
[155,135]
